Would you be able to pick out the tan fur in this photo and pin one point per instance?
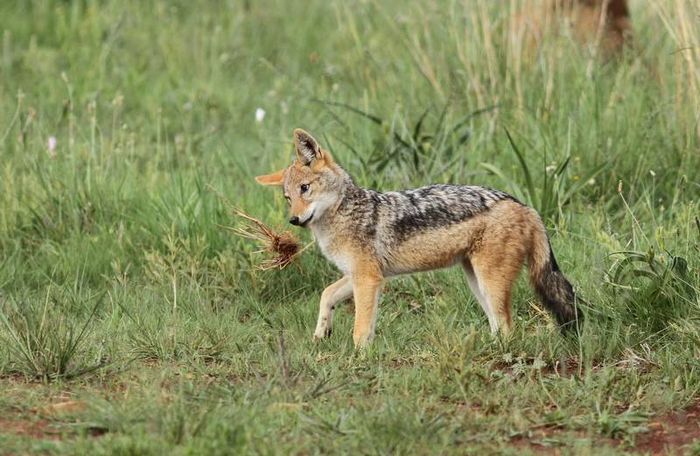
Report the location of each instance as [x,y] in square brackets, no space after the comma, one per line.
[492,246]
[275,179]
[501,255]
[367,281]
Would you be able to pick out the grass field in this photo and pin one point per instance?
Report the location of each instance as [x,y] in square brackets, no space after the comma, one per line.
[132,321]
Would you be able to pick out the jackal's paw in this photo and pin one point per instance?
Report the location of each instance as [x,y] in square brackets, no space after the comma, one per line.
[362,340]
[323,333]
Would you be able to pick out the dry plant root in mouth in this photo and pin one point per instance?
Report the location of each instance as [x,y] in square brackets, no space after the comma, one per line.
[283,246]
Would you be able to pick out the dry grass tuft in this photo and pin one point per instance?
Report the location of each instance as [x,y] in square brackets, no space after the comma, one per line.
[283,246]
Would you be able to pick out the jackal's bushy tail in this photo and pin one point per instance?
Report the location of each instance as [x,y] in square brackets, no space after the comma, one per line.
[552,287]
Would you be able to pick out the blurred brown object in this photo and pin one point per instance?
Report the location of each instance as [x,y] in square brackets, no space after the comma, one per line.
[603,24]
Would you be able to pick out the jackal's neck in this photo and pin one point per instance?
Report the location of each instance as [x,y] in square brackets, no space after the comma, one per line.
[348,194]
[351,193]
[350,197]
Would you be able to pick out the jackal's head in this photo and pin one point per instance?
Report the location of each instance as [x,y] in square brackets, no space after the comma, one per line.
[312,184]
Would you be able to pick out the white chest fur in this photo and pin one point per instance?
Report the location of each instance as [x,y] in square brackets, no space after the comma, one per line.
[331,250]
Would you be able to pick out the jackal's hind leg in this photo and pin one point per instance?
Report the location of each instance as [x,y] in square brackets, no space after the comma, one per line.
[480,298]
[495,275]
[332,295]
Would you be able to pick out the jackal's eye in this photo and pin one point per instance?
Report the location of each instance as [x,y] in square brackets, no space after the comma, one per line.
[304,188]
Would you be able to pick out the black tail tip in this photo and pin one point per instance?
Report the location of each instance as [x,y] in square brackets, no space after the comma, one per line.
[573,324]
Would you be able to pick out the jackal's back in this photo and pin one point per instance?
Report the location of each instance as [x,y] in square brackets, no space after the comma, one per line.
[436,206]
[403,214]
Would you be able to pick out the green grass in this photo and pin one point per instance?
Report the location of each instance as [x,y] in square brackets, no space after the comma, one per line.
[121,288]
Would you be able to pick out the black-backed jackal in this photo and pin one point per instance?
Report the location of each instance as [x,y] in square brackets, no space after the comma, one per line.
[371,236]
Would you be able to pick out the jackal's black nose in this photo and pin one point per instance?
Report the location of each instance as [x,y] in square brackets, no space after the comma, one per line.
[294,220]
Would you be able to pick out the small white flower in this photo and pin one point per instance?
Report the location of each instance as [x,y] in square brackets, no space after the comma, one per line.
[653,174]
[51,146]
[591,181]
[550,168]
[259,115]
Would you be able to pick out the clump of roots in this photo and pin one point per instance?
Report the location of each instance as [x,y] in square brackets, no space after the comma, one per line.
[283,247]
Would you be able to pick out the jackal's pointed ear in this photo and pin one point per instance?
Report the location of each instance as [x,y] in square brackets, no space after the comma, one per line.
[307,147]
[276,178]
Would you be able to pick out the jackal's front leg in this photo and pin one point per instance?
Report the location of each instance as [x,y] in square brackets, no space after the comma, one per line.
[366,290]
[332,295]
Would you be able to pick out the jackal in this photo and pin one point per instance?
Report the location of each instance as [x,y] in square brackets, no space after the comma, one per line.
[371,236]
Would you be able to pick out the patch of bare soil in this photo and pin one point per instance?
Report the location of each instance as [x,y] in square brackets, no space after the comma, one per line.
[45,422]
[668,434]
[13,421]
[35,428]
[672,432]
